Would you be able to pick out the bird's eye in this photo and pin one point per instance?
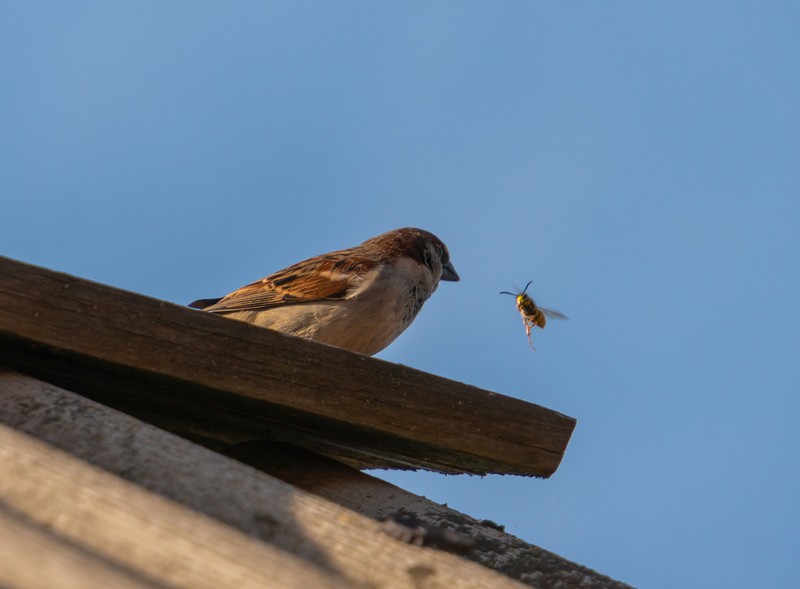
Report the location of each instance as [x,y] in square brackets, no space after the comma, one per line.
[427,257]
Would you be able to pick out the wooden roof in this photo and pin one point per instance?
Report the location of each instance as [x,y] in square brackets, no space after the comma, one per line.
[96,378]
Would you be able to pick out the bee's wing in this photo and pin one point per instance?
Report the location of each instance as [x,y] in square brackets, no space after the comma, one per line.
[550,314]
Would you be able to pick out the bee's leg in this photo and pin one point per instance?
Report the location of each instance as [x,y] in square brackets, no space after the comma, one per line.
[528,333]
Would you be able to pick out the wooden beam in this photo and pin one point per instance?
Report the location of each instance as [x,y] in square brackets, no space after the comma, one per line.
[156,538]
[34,558]
[491,546]
[219,381]
[234,522]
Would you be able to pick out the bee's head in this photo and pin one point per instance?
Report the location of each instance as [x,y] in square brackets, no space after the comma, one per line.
[520,297]
[525,303]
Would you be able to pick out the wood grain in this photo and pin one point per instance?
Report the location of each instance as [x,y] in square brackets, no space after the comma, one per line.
[140,531]
[31,557]
[492,546]
[187,516]
[219,381]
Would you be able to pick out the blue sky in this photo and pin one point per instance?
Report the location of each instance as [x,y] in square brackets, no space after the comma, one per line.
[640,162]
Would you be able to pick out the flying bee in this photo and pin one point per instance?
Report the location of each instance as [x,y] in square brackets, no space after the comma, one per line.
[532,314]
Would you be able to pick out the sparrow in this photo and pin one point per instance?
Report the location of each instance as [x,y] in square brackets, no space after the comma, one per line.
[360,298]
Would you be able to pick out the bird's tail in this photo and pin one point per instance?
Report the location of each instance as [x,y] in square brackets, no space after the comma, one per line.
[203,303]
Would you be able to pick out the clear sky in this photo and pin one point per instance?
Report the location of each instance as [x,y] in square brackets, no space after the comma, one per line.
[639,161]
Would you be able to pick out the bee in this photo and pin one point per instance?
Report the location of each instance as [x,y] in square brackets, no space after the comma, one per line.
[532,314]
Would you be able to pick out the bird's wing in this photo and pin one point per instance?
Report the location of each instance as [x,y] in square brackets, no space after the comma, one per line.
[329,277]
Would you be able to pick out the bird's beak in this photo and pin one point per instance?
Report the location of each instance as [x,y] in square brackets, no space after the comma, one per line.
[449,273]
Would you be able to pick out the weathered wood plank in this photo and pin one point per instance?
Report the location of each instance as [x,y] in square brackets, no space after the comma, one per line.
[138,530]
[33,558]
[375,498]
[221,381]
[151,534]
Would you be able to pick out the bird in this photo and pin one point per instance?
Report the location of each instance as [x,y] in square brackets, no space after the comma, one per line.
[361,298]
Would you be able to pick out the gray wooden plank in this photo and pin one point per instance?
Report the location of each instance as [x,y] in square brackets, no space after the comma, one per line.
[232,519]
[32,557]
[491,545]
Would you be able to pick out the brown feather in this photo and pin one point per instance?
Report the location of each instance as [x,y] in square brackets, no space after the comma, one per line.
[329,277]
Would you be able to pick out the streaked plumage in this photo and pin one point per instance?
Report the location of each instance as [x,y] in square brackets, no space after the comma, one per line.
[360,298]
